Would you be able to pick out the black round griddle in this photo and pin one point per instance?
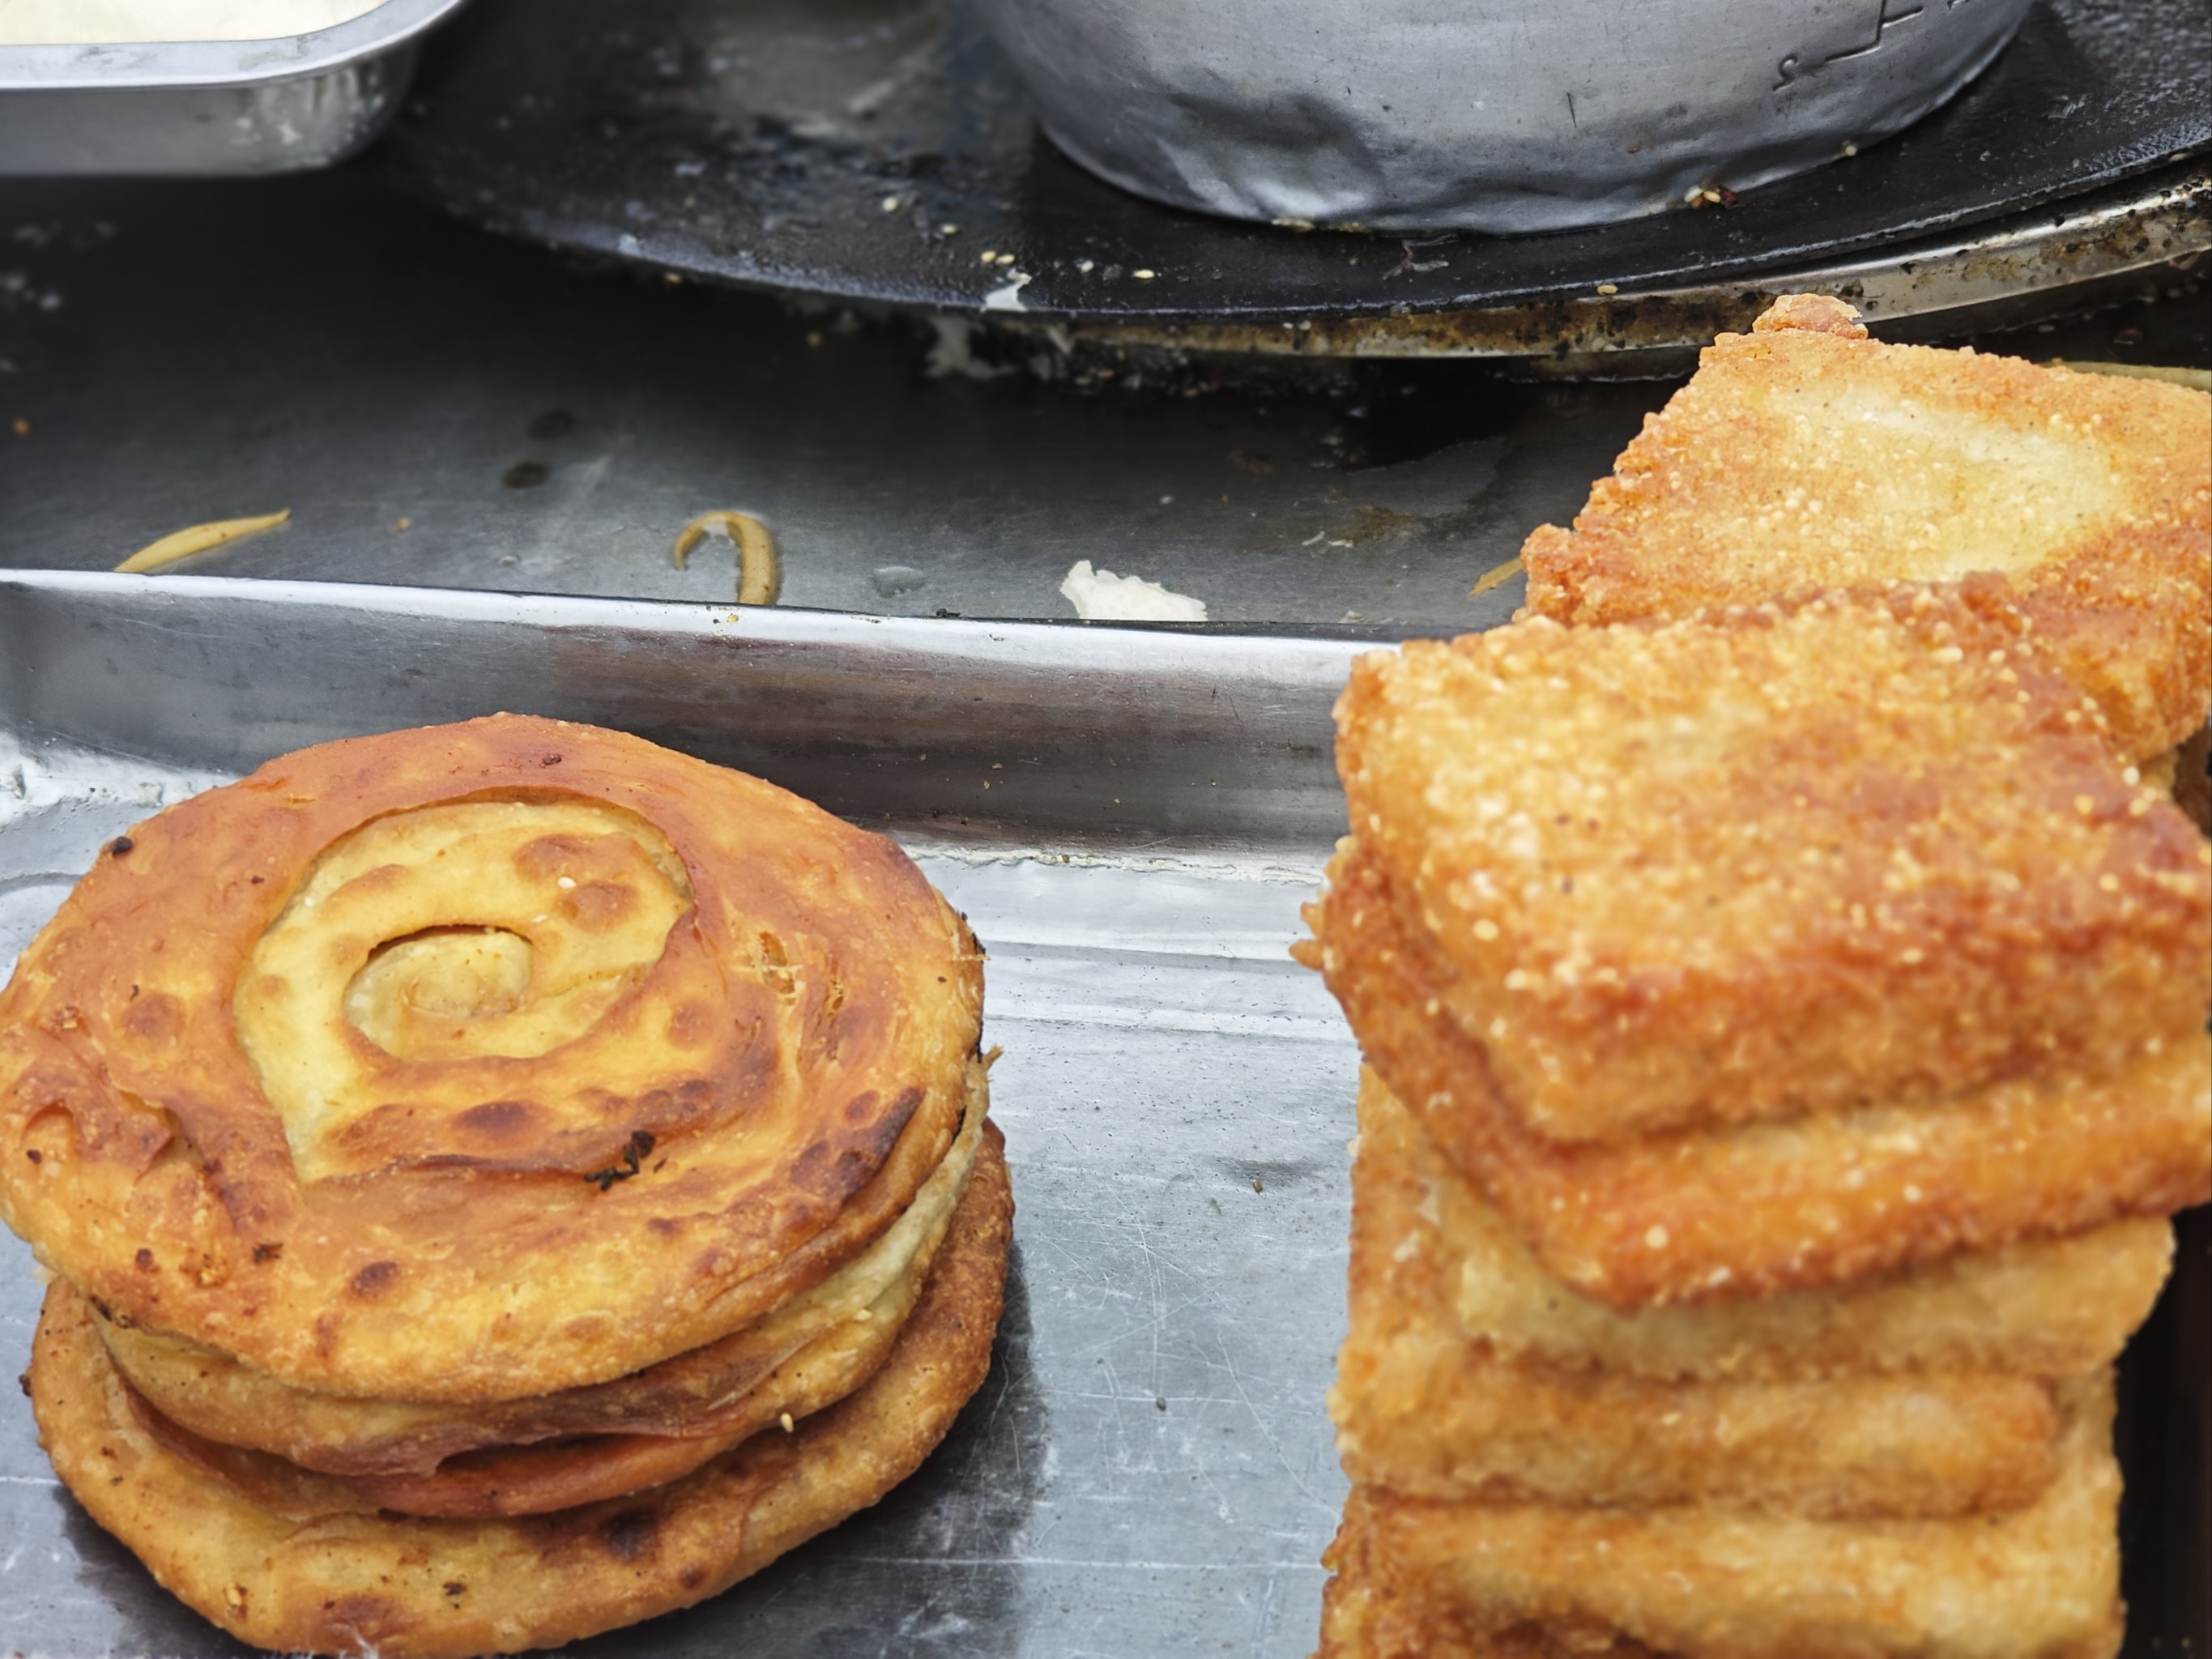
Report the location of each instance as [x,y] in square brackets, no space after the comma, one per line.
[822,147]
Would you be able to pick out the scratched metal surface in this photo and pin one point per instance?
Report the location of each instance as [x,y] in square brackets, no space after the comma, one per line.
[1149,1469]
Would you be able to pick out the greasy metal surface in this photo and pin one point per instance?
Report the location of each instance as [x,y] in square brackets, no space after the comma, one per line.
[180,353]
[1149,1470]
[760,144]
[1400,115]
[1960,279]
[207,106]
[186,351]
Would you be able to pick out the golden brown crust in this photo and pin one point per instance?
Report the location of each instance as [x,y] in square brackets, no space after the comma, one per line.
[1372,1609]
[1823,1199]
[1823,853]
[805,1030]
[1425,1409]
[2043,1308]
[810,1357]
[2038,1583]
[684,1397]
[439,1590]
[1803,454]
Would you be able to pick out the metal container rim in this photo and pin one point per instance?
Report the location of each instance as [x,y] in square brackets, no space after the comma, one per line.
[153,65]
[1320,654]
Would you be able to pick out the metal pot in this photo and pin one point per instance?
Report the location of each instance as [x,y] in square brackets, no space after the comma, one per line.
[1492,115]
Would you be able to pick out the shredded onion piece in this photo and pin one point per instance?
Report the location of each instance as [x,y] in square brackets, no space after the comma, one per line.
[760,570]
[183,544]
[1497,578]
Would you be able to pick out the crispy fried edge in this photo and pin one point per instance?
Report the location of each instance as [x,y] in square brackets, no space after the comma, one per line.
[1425,1409]
[357,1582]
[2043,1580]
[2125,608]
[1767,1208]
[219,1398]
[2074,964]
[2041,1307]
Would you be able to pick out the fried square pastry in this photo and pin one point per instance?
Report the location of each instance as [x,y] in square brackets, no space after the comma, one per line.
[1804,453]
[1730,1584]
[1747,1211]
[2047,1306]
[1373,1608]
[1850,849]
[1427,1409]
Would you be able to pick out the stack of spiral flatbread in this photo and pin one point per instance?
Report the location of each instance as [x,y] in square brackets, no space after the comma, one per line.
[501,1182]
[1786,1035]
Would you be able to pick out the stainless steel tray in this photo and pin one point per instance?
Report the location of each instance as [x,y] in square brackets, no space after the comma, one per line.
[1130,818]
[210,106]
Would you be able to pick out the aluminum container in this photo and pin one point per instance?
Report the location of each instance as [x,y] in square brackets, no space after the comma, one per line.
[1490,115]
[210,106]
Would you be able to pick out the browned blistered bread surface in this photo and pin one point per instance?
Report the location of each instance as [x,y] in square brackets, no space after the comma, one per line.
[697,1394]
[440,1588]
[531,1457]
[479,1061]
[1804,454]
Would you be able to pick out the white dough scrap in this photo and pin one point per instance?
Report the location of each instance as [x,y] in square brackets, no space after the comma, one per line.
[1101,596]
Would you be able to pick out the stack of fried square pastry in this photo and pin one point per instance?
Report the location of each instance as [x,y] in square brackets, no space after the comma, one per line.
[501,1181]
[1786,1034]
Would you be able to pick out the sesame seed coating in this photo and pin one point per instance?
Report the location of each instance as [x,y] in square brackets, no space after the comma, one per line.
[1804,453]
[1824,853]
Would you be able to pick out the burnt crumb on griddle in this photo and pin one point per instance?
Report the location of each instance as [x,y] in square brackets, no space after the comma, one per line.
[633,1160]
